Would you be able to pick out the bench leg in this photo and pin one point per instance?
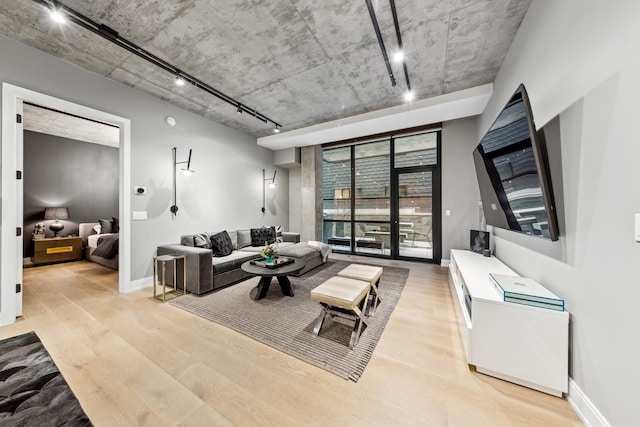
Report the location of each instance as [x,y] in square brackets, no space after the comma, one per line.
[357,327]
[319,322]
[375,298]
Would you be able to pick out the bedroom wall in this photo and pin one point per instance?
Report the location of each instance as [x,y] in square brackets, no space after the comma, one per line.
[225,191]
[70,173]
[578,60]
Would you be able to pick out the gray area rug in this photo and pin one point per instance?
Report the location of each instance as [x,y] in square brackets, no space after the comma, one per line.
[286,323]
[32,389]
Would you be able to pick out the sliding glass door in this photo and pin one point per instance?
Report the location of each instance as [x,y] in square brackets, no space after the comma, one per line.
[413,216]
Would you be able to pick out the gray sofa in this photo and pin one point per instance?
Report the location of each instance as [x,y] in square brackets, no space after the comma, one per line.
[206,272]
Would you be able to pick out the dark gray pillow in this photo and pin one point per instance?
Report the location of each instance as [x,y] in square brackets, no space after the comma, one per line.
[221,244]
[202,240]
[244,239]
[106,226]
[262,236]
[115,225]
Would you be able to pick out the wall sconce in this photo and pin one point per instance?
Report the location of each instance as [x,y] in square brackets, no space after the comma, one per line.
[272,184]
[186,171]
[57,214]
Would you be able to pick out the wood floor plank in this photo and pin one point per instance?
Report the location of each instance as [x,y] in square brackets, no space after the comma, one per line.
[134,361]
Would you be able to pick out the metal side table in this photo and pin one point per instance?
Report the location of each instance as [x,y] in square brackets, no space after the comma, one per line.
[163,260]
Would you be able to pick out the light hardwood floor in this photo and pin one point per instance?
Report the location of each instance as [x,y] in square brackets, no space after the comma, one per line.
[134,361]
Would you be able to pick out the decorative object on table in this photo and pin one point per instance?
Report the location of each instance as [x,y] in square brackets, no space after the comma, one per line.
[286,323]
[56,214]
[269,252]
[272,185]
[39,231]
[34,391]
[480,241]
[186,171]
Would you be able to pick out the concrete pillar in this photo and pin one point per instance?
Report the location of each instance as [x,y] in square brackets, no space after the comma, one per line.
[311,197]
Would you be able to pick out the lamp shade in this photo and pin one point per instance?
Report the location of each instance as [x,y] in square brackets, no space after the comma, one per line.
[56,213]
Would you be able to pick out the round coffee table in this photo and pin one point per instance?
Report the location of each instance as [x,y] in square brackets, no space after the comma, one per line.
[266,274]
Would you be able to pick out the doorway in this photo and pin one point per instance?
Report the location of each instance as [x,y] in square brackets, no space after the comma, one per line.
[12,224]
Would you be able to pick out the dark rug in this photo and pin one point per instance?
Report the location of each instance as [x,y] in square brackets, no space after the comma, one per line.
[286,323]
[32,389]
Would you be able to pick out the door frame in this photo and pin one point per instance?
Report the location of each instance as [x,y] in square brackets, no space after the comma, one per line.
[436,220]
[11,96]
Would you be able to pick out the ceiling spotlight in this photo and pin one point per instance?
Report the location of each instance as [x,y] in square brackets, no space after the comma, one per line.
[398,56]
[276,129]
[239,110]
[409,96]
[179,81]
[57,16]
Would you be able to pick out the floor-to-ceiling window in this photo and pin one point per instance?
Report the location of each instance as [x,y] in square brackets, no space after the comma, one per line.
[382,197]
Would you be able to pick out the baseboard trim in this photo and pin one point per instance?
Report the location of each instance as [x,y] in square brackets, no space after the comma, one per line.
[136,285]
[445,262]
[585,409]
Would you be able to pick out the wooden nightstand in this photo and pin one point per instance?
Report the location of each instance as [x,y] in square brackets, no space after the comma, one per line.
[57,249]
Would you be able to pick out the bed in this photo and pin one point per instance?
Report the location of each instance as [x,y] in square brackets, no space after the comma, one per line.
[91,240]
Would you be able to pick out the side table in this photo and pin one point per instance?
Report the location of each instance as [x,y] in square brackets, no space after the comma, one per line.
[163,260]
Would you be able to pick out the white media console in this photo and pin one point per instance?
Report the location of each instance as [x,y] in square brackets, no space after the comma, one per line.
[517,343]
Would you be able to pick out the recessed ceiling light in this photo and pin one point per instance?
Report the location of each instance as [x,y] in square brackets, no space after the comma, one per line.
[170,121]
[58,16]
[409,96]
[398,56]
[179,81]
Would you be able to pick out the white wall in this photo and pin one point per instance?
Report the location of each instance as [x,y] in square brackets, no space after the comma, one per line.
[460,192]
[579,60]
[224,193]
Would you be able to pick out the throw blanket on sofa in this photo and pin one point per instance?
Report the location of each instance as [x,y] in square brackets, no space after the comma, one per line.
[107,246]
[324,249]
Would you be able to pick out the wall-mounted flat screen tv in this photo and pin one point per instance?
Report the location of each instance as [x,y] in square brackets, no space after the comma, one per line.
[513,172]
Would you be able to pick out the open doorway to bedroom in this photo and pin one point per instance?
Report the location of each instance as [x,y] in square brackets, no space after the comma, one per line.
[14,99]
[70,188]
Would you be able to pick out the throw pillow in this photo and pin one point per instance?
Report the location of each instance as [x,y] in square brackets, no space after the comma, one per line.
[244,238]
[262,236]
[202,240]
[221,244]
[277,229]
[106,226]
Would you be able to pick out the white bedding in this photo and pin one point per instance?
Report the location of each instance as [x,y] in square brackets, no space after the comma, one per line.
[92,241]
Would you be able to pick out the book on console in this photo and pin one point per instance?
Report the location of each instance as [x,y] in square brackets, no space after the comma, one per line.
[523,290]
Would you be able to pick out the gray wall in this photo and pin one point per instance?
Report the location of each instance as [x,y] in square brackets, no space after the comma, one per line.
[69,173]
[578,60]
[225,191]
[460,194]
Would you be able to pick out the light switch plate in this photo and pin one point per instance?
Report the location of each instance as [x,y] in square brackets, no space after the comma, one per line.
[139,215]
[637,232]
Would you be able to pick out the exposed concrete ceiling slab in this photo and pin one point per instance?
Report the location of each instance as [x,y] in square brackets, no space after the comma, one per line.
[298,62]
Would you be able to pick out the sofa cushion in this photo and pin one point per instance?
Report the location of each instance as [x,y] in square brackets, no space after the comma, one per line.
[202,240]
[221,244]
[233,235]
[262,236]
[231,262]
[277,229]
[244,238]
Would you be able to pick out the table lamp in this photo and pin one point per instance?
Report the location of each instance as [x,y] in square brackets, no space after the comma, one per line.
[56,214]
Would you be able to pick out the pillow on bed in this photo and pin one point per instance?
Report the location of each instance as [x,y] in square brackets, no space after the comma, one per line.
[115,227]
[97,228]
[106,226]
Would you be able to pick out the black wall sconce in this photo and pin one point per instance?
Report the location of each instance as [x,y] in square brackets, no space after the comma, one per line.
[272,184]
[186,171]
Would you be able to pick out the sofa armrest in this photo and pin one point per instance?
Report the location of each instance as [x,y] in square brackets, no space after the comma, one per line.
[198,266]
[289,236]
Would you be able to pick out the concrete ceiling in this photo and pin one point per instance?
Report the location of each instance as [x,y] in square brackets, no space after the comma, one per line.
[298,62]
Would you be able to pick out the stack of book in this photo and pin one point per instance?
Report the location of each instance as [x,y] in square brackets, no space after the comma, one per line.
[521,290]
